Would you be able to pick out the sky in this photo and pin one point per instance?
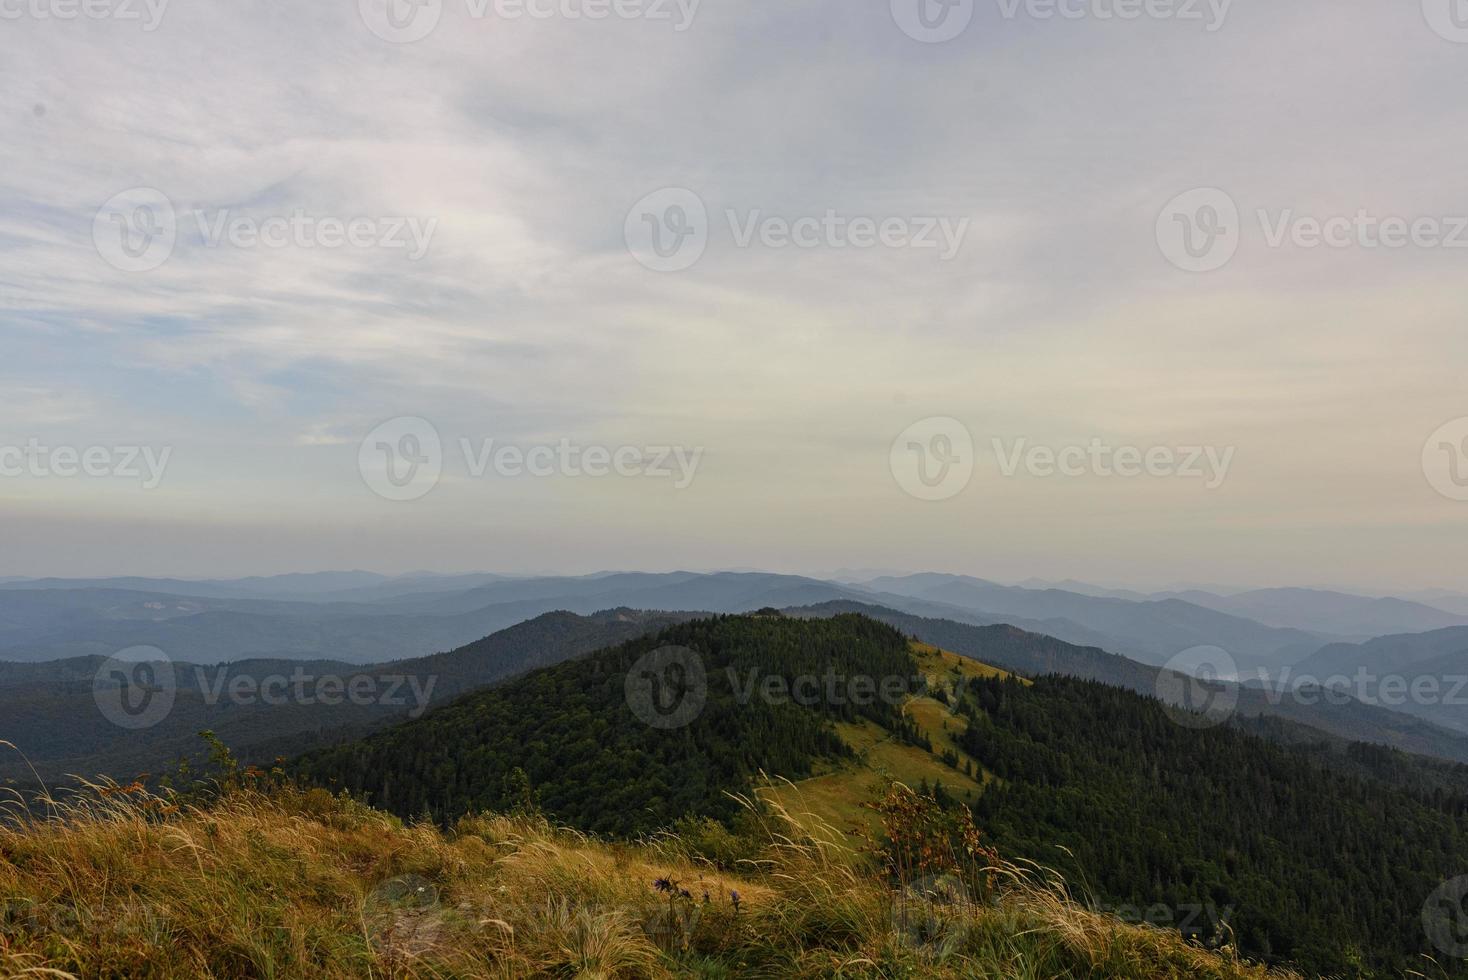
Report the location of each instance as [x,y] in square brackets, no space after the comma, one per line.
[1135,292]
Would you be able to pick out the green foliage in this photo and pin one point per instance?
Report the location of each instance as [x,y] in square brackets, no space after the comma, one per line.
[729,847]
[1306,864]
[596,765]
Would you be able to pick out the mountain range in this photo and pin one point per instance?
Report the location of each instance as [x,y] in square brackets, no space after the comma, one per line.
[53,722]
[360,617]
[57,729]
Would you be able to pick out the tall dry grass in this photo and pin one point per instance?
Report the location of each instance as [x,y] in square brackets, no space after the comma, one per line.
[283,883]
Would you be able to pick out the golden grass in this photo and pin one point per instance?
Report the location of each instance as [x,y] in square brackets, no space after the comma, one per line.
[286,884]
[838,796]
[938,663]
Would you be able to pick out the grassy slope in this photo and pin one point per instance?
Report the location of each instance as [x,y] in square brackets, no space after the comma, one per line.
[838,797]
[291,884]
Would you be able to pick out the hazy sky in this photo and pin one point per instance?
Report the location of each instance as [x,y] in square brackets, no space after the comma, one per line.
[994,237]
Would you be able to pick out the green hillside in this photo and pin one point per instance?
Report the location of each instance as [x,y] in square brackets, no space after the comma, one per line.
[596,764]
[52,716]
[1242,840]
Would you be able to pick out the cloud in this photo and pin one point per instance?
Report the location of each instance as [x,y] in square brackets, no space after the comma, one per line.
[526,141]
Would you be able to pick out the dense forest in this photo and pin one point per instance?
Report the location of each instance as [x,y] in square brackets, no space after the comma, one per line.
[594,763]
[1297,854]
[1325,871]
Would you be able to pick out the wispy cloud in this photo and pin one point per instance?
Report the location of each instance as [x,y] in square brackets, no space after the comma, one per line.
[525,142]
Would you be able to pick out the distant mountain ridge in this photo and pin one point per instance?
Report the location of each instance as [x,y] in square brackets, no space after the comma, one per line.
[365,618]
[295,586]
[1335,612]
[1036,655]
[1386,654]
[1153,630]
[1420,674]
[53,718]
[39,623]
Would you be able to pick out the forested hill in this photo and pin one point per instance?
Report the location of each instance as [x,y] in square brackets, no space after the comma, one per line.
[594,762]
[1034,654]
[52,718]
[1311,867]
[1297,863]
